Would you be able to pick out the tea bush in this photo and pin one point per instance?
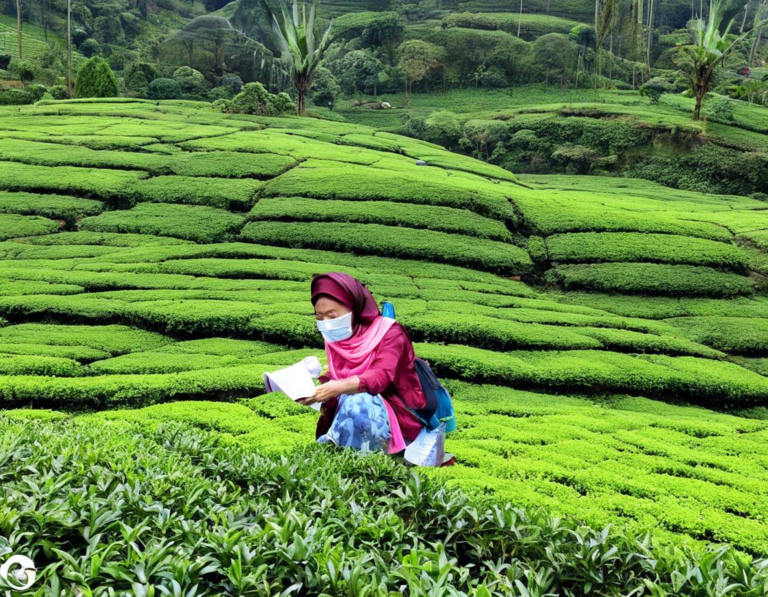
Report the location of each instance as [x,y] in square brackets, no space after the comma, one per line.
[353,182]
[655,248]
[649,278]
[441,219]
[13,225]
[391,240]
[148,304]
[428,539]
[197,223]
[55,207]
[214,192]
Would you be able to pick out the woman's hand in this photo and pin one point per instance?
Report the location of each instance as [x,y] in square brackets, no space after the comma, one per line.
[331,389]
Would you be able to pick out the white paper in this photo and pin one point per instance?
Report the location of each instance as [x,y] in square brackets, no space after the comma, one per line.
[295,381]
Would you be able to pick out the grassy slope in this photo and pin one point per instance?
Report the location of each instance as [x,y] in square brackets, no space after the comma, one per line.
[178,277]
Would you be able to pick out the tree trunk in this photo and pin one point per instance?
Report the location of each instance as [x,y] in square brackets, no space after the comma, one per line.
[69,48]
[744,20]
[650,35]
[302,84]
[697,108]
[407,91]
[18,25]
[520,19]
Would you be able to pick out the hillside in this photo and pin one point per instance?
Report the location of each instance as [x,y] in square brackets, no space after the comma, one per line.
[604,338]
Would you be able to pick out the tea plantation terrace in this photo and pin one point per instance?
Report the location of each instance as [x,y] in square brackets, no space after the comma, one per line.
[154,256]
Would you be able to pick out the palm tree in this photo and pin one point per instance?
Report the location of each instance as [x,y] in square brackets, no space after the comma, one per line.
[700,60]
[295,34]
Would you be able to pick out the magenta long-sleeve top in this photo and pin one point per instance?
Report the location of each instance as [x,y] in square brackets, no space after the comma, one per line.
[393,375]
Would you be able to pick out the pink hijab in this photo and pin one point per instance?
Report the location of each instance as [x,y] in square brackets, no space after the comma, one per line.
[354,355]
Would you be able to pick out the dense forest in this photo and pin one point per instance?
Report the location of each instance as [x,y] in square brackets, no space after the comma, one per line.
[380,53]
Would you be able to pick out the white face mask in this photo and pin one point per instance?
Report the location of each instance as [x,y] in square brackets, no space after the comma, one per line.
[337,329]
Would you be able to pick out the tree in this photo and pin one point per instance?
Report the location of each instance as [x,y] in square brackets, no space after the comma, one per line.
[162,89]
[358,72]
[700,60]
[325,89]
[190,80]
[294,32]
[419,58]
[96,79]
[18,26]
[557,54]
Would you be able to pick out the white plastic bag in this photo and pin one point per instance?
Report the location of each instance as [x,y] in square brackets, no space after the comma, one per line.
[428,449]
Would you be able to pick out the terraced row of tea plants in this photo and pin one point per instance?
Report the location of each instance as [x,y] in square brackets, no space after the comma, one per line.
[156,261]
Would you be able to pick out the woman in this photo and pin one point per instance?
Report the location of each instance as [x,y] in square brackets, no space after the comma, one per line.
[371,383]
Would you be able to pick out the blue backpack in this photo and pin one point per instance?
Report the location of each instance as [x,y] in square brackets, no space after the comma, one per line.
[439,408]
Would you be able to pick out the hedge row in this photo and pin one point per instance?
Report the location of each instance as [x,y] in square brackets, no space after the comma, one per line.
[661,307]
[111,391]
[290,142]
[39,365]
[389,240]
[701,381]
[108,239]
[381,269]
[200,475]
[441,219]
[112,339]
[196,223]
[737,335]
[551,214]
[13,225]
[223,193]
[650,278]
[25,287]
[82,354]
[592,247]
[57,207]
[99,183]
[639,463]
[501,334]
[352,182]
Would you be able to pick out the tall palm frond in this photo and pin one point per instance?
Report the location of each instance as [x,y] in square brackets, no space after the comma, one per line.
[294,31]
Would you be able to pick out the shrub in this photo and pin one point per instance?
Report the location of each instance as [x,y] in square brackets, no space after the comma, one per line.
[719,109]
[16,97]
[349,181]
[163,89]
[114,185]
[233,83]
[701,381]
[201,224]
[442,219]
[659,248]
[38,365]
[255,99]
[96,79]
[58,92]
[215,192]
[200,469]
[13,226]
[49,206]
[647,278]
[401,242]
[737,335]
[190,80]
[325,88]
[111,339]
[654,88]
